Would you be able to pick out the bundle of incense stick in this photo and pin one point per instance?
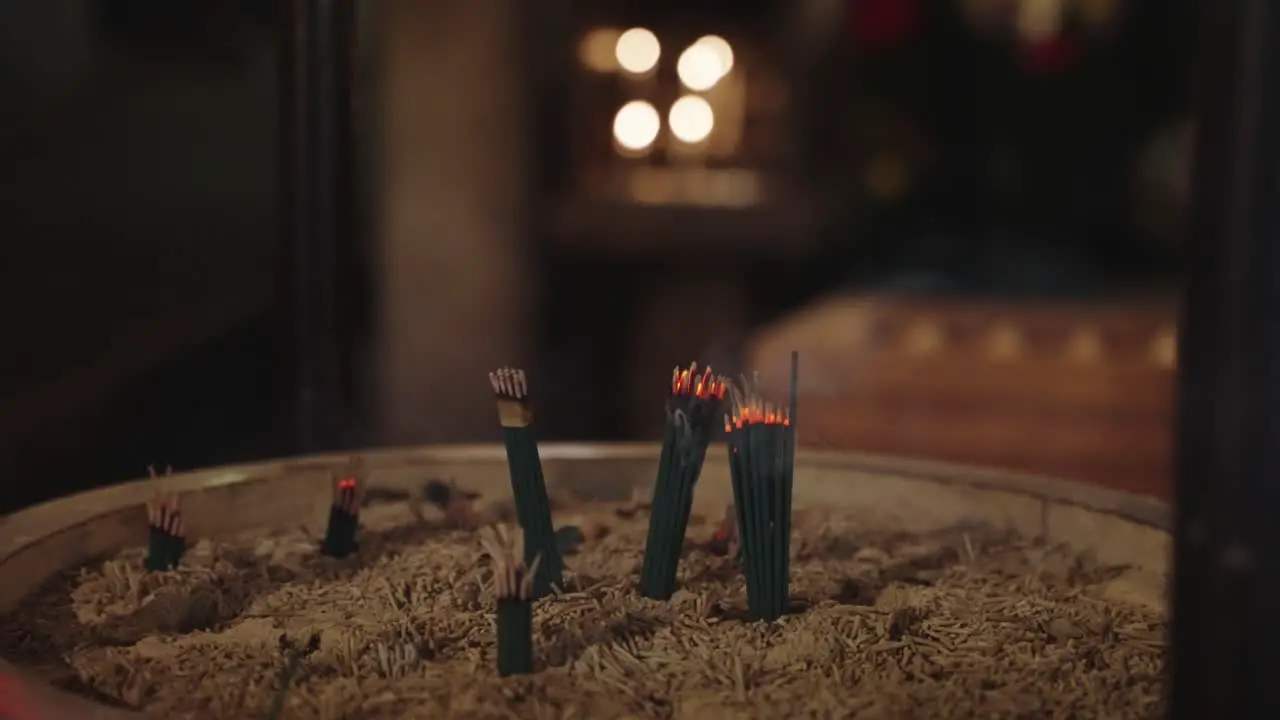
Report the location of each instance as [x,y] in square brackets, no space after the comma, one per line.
[344,514]
[533,508]
[513,595]
[761,440]
[166,533]
[692,410]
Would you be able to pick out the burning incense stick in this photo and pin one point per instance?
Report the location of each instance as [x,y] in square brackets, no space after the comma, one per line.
[692,408]
[761,444]
[344,513]
[533,509]
[513,595]
[166,533]
[789,466]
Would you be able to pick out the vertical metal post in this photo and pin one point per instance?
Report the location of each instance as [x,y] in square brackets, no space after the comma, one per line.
[319,193]
[1226,630]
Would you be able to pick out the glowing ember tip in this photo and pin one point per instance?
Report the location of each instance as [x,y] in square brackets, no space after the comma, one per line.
[749,408]
[704,385]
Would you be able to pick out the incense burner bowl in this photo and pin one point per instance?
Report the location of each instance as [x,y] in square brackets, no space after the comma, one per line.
[35,543]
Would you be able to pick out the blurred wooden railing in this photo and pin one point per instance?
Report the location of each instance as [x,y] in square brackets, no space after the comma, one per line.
[1080,392]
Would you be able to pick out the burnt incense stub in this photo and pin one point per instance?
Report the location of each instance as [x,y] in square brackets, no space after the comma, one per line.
[513,593]
[511,388]
[166,533]
[528,486]
[344,514]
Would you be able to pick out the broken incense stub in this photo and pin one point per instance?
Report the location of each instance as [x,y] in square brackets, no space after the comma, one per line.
[513,597]
[528,486]
[693,407]
[344,514]
[166,533]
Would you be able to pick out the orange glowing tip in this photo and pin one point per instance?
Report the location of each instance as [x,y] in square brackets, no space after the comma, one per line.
[757,414]
[703,385]
[347,484]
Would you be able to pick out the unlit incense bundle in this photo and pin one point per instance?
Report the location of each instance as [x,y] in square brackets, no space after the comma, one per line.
[513,597]
[692,409]
[533,508]
[166,533]
[761,442]
[344,513]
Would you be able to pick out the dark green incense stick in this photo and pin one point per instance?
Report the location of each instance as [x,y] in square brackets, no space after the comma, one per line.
[533,508]
[663,491]
[515,636]
[344,516]
[761,453]
[166,533]
[513,598]
[692,408]
[735,481]
[789,466]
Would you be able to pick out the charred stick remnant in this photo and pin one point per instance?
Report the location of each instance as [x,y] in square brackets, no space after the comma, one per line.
[294,655]
[725,539]
[344,514]
[458,505]
[692,408]
[384,496]
[569,538]
[761,440]
[533,508]
[513,597]
[638,503]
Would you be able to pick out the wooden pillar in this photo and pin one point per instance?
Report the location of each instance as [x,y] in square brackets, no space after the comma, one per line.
[318,241]
[1226,633]
[452,275]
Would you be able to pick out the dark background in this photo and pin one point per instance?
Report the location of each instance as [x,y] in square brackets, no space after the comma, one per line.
[141,212]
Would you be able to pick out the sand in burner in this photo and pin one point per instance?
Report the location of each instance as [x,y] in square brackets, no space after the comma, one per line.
[962,623]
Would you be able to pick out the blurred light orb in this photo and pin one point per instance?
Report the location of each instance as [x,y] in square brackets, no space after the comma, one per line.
[1085,346]
[637,51]
[691,119]
[1164,349]
[636,125]
[1004,342]
[1039,20]
[699,68]
[925,337]
[598,50]
[722,49]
